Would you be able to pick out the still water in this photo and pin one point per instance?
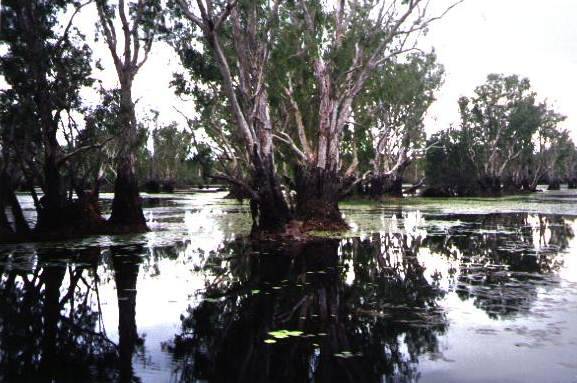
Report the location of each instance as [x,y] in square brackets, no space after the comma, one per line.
[462,290]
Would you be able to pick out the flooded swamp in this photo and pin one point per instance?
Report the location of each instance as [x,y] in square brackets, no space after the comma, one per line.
[428,290]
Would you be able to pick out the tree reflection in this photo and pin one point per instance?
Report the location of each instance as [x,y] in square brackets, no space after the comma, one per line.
[503,258]
[372,326]
[47,322]
[126,265]
[51,325]
[359,309]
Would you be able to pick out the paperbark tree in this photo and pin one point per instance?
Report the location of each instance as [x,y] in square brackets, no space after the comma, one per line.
[137,25]
[332,56]
[392,109]
[502,119]
[244,85]
[344,47]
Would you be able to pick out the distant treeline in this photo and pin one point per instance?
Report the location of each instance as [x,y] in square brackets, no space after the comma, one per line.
[506,142]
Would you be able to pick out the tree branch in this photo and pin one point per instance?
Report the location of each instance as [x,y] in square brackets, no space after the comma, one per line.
[69,25]
[290,142]
[83,149]
[237,182]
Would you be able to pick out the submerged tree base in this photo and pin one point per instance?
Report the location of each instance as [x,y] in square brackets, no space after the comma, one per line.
[71,232]
[79,219]
[300,231]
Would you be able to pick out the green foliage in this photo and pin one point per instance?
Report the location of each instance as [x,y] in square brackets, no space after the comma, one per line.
[448,167]
[393,106]
[505,135]
[46,64]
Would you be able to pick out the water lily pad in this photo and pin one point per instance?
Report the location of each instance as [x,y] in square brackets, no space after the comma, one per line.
[281,334]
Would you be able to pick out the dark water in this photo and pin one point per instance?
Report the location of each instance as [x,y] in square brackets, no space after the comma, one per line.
[480,290]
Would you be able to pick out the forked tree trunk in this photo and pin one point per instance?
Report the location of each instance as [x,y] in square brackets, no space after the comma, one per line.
[127,205]
[318,192]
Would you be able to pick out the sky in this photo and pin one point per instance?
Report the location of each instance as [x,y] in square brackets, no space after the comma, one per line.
[532,38]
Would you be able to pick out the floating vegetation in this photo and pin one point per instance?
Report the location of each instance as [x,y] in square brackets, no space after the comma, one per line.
[282,334]
[347,354]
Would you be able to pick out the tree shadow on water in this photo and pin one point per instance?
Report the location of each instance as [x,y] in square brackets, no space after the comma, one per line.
[311,312]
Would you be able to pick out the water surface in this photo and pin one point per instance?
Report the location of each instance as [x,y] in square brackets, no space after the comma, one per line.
[460,290]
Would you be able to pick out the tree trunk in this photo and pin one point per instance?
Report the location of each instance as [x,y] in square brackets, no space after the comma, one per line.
[527,185]
[127,204]
[53,201]
[490,185]
[6,231]
[8,199]
[318,192]
[382,185]
[270,211]
[554,184]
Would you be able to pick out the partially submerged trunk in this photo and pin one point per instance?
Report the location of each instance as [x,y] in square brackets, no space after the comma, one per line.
[554,184]
[53,201]
[318,192]
[9,202]
[270,210]
[381,185]
[490,185]
[127,212]
[6,231]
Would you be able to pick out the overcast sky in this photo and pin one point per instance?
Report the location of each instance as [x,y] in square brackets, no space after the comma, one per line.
[533,38]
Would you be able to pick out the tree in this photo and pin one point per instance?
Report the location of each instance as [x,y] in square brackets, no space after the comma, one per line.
[392,109]
[334,55]
[139,23]
[550,146]
[449,170]
[506,141]
[46,64]
[501,119]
